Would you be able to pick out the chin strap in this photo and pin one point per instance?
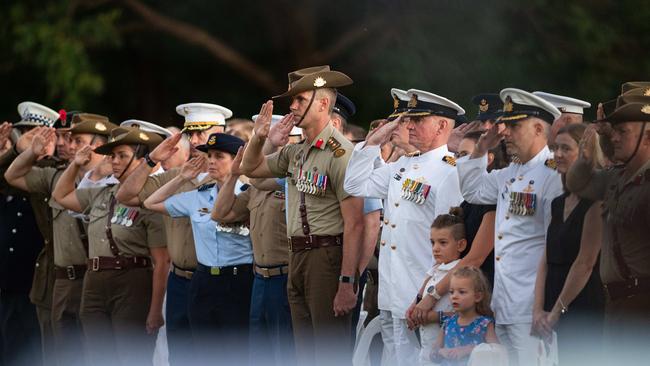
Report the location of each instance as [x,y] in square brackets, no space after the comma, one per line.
[638,144]
[135,153]
[311,101]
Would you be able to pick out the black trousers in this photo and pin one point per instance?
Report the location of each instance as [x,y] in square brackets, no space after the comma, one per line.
[19,330]
[219,312]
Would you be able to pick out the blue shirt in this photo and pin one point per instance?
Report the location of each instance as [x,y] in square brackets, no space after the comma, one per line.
[213,248]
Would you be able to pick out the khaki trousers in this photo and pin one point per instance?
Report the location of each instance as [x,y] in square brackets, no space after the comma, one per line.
[320,338]
[114,309]
[68,335]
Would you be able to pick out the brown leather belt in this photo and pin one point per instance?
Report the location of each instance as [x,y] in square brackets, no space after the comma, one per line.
[181,272]
[268,272]
[97,264]
[298,243]
[75,272]
[629,288]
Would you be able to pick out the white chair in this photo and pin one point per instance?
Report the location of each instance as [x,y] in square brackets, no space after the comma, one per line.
[363,315]
[488,354]
[364,340]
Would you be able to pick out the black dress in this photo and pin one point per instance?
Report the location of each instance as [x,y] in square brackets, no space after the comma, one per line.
[473,216]
[582,325]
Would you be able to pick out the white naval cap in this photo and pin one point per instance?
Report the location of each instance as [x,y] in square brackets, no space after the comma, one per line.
[35,115]
[564,104]
[519,104]
[146,126]
[423,103]
[201,116]
[400,100]
[295,131]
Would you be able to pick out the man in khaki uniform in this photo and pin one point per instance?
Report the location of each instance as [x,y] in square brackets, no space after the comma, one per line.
[70,240]
[324,223]
[34,115]
[201,119]
[625,191]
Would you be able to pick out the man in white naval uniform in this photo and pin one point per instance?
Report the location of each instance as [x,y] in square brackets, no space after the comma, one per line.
[416,188]
[523,193]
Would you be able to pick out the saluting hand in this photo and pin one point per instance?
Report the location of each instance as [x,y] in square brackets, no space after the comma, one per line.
[42,141]
[588,143]
[234,169]
[82,157]
[383,134]
[166,149]
[5,133]
[25,140]
[263,121]
[279,133]
[488,140]
[193,167]
[459,132]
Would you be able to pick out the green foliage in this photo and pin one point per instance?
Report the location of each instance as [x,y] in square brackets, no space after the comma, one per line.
[57,44]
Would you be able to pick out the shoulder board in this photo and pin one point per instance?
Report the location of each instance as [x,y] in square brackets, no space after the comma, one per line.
[205,187]
[244,187]
[551,164]
[449,160]
[335,146]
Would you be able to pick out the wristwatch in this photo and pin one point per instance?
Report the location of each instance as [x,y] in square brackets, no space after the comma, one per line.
[347,279]
[149,162]
[431,290]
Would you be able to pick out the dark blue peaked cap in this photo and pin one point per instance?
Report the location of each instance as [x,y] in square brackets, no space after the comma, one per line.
[222,142]
[344,106]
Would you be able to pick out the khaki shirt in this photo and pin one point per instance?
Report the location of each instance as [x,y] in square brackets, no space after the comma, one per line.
[68,247]
[178,230]
[268,226]
[135,240]
[323,212]
[626,218]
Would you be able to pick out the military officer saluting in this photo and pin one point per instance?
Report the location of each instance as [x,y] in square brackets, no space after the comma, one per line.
[201,119]
[416,188]
[70,240]
[324,222]
[625,191]
[523,193]
[124,286]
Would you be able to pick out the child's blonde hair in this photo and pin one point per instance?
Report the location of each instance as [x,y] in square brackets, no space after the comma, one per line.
[480,285]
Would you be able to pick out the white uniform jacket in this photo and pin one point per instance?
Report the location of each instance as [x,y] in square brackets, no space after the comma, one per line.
[405,252]
[523,195]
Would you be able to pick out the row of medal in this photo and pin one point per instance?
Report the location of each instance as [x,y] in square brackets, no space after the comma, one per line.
[124,216]
[522,203]
[311,183]
[239,229]
[415,191]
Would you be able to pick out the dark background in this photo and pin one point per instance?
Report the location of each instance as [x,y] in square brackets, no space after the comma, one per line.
[140,58]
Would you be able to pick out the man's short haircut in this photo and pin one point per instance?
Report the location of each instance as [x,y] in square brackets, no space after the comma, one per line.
[330,94]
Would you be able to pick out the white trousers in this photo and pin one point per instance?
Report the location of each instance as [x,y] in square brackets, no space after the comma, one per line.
[401,346]
[521,346]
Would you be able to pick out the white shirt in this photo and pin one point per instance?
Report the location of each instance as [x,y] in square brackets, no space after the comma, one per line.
[520,239]
[405,251]
[429,332]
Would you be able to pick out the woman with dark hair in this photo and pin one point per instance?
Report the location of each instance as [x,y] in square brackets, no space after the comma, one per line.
[220,289]
[123,290]
[568,293]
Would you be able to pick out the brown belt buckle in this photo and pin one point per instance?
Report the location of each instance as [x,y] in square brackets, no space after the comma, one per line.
[95,266]
[70,272]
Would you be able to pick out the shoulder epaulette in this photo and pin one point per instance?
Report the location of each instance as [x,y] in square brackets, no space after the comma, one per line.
[205,187]
[449,160]
[551,164]
[335,145]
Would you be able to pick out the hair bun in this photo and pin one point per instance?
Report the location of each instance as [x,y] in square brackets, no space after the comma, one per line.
[456,211]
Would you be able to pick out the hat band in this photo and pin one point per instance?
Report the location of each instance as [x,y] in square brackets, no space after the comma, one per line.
[517,115]
[430,112]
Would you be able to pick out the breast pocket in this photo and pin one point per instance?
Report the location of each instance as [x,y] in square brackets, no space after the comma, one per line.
[97,213]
